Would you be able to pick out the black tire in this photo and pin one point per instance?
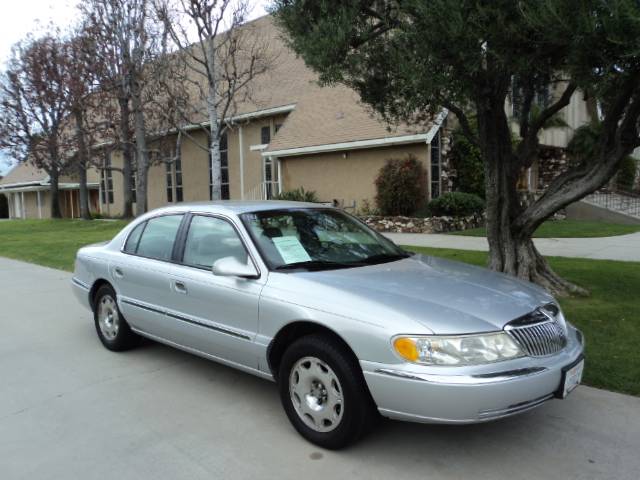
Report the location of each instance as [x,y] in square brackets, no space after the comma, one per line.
[358,413]
[122,338]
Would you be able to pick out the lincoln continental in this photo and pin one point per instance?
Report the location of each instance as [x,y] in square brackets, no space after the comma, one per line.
[349,325]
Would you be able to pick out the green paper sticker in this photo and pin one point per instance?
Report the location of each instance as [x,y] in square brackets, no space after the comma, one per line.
[290,249]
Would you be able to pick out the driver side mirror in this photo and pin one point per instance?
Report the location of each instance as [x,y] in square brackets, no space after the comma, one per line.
[232,267]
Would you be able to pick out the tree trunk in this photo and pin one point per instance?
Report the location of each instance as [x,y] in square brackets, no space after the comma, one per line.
[83,162]
[511,249]
[56,211]
[214,126]
[127,166]
[142,157]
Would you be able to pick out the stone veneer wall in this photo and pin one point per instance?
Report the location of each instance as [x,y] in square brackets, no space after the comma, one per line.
[552,161]
[422,225]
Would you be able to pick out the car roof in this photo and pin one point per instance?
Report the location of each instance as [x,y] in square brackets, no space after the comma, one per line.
[237,206]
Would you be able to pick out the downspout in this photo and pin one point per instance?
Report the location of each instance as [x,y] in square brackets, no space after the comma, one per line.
[241,142]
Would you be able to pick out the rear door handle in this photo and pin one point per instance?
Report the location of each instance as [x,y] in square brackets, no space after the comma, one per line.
[180,287]
[118,272]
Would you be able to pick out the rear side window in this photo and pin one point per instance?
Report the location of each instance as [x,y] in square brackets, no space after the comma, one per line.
[134,238]
[158,238]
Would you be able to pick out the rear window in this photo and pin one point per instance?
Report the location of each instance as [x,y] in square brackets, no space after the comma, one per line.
[158,237]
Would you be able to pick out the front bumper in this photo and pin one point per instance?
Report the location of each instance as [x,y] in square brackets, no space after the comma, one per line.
[468,394]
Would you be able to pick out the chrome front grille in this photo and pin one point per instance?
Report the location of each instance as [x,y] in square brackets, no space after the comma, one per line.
[538,333]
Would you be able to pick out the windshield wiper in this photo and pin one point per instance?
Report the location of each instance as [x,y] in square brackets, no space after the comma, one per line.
[314,265]
[383,258]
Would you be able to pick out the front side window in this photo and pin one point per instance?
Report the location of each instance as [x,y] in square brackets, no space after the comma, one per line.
[317,239]
[210,239]
[158,237]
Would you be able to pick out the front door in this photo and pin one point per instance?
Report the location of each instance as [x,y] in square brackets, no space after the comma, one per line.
[215,315]
[271,177]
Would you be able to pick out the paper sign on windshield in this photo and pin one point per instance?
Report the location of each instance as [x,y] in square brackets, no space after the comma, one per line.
[290,249]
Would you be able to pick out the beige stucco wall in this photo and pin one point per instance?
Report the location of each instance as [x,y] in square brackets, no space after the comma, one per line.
[574,115]
[30,205]
[345,176]
[195,166]
[331,175]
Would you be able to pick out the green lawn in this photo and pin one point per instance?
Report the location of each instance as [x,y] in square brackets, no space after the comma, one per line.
[609,318]
[568,229]
[53,243]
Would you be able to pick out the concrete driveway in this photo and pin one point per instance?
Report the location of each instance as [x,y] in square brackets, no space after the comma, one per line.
[69,409]
[621,247]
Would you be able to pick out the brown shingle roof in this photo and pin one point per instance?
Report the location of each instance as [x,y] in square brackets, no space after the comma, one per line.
[24,172]
[322,115]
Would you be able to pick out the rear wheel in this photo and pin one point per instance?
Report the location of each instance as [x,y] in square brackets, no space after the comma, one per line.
[324,393]
[113,330]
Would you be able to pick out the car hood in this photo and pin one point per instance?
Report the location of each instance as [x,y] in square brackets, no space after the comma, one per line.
[443,296]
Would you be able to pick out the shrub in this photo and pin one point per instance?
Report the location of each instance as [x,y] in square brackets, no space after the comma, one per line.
[626,177]
[401,186]
[456,204]
[466,159]
[298,195]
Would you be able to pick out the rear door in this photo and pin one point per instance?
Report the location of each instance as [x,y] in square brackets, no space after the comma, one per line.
[142,274]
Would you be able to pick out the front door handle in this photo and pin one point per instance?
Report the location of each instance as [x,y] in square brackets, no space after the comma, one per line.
[180,287]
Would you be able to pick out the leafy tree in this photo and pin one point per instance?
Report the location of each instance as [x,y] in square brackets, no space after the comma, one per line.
[126,42]
[409,58]
[466,159]
[219,67]
[33,105]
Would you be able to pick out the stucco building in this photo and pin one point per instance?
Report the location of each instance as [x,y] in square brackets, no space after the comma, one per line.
[289,133]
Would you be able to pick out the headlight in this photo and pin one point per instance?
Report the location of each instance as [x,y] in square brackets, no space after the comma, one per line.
[457,350]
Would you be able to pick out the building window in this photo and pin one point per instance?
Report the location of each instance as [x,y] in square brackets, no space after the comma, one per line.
[134,186]
[173,172]
[436,166]
[106,180]
[168,168]
[541,98]
[265,135]
[224,169]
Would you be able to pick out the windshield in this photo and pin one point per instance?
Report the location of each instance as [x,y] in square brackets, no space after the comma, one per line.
[317,239]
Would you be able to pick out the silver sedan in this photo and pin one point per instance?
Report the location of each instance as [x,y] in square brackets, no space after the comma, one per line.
[348,324]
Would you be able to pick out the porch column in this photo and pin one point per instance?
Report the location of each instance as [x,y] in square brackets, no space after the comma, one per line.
[10,202]
[71,202]
[279,175]
[22,206]
[39,205]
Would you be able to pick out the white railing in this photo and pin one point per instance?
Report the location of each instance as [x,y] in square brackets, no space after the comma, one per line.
[262,191]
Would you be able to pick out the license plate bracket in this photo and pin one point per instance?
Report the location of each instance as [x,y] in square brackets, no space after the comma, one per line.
[571,377]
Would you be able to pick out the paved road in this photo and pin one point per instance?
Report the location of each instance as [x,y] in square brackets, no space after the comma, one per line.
[622,247]
[69,409]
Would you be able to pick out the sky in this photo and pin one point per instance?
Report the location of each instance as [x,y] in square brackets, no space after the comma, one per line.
[20,17]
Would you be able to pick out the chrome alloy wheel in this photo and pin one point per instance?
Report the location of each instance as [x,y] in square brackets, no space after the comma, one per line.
[108,318]
[316,394]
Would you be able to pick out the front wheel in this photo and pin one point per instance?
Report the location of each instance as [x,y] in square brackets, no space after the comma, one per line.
[113,330]
[323,392]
